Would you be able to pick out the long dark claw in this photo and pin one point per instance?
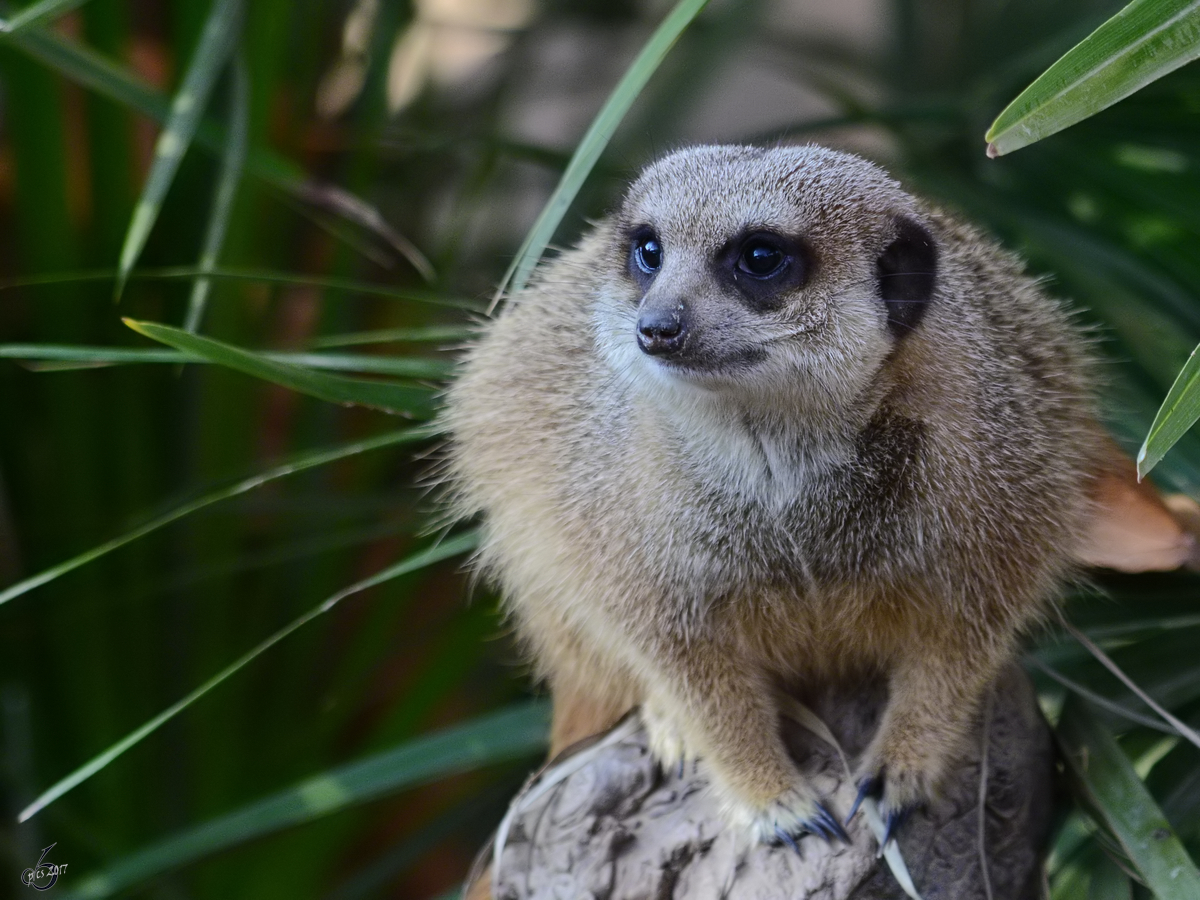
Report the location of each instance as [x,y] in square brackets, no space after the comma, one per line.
[895,818]
[832,827]
[871,786]
[789,840]
[817,826]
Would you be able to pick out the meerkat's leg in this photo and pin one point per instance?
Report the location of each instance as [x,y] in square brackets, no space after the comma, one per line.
[719,706]
[667,744]
[580,711]
[935,697]
[590,692]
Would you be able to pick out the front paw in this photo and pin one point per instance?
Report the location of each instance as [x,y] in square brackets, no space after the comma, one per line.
[786,817]
[897,793]
[665,740]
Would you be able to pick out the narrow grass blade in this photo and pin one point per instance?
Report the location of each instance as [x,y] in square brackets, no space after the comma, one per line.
[355,209]
[1121,801]
[37,13]
[598,135]
[1181,728]
[90,69]
[187,107]
[385,395]
[443,550]
[264,276]
[1099,700]
[64,357]
[1178,413]
[227,182]
[1144,41]
[509,734]
[95,72]
[432,333]
[297,463]
[396,366]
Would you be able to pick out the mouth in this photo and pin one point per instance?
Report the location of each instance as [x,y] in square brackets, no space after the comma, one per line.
[699,365]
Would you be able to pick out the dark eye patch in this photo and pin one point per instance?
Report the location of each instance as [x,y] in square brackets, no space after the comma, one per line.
[907,273]
[763,266]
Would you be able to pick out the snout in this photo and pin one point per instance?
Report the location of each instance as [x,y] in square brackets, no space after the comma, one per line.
[662,331]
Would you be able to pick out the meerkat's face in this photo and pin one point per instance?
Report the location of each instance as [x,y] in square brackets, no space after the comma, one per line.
[782,277]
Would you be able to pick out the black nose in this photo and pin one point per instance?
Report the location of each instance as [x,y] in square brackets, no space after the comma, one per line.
[660,331]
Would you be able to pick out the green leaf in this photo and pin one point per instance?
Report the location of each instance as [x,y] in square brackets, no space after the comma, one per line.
[187,107]
[355,209]
[1073,835]
[1178,413]
[37,13]
[598,135]
[1099,700]
[265,276]
[64,357]
[440,551]
[91,70]
[432,333]
[1122,803]
[1109,882]
[512,733]
[386,395]
[95,72]
[231,173]
[99,74]
[297,463]
[1143,42]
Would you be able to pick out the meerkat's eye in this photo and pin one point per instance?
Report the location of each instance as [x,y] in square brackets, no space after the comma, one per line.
[647,252]
[761,258]
[765,267]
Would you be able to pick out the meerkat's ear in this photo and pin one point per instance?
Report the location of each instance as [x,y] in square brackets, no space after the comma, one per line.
[907,272]
[1133,527]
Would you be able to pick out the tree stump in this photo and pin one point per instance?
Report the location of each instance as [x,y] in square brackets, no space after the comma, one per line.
[618,828]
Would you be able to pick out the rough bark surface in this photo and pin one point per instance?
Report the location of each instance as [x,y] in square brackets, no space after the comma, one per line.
[620,829]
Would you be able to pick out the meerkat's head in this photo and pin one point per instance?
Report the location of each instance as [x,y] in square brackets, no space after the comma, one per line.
[781,279]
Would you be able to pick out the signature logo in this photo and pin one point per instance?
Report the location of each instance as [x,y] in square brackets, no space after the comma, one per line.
[43,876]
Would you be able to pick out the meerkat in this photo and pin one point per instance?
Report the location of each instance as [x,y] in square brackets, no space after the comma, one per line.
[777,422]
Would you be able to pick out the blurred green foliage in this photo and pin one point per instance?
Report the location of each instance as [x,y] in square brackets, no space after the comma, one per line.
[353,224]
